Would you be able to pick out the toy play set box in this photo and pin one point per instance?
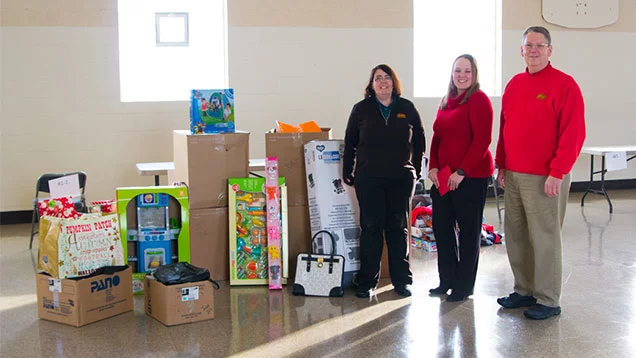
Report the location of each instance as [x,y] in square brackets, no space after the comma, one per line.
[248,232]
[212,111]
[333,206]
[155,228]
[78,302]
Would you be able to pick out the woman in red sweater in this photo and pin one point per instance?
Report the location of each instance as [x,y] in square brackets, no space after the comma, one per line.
[462,135]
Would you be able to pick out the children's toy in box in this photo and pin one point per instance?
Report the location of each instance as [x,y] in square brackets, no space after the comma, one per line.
[78,302]
[333,206]
[155,226]
[212,111]
[178,304]
[78,247]
[248,231]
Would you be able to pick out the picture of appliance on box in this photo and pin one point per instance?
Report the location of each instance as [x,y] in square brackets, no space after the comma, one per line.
[212,111]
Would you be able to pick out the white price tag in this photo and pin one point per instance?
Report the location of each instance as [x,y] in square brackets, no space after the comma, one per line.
[65,186]
[55,285]
[190,293]
[615,161]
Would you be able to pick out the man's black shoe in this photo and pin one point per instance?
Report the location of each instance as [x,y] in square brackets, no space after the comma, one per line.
[438,291]
[403,290]
[515,300]
[540,311]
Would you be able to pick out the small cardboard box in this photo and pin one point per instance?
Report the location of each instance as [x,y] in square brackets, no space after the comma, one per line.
[289,149]
[209,241]
[206,161]
[78,302]
[179,304]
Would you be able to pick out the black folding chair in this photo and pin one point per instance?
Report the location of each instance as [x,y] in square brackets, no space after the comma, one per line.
[42,186]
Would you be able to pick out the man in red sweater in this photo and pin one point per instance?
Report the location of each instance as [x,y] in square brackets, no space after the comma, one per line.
[542,129]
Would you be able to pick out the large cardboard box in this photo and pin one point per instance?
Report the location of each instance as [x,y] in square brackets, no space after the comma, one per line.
[289,149]
[299,234]
[209,241]
[206,161]
[179,304]
[78,302]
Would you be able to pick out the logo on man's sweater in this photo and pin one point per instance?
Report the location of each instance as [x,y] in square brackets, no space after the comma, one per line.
[541,96]
[401,115]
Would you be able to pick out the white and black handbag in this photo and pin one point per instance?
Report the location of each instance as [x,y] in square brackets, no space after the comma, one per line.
[319,274]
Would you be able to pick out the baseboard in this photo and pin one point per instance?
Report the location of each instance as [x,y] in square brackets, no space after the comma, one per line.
[15,217]
[24,216]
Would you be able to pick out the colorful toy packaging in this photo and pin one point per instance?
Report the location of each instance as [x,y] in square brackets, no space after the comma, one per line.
[273,223]
[212,111]
[249,231]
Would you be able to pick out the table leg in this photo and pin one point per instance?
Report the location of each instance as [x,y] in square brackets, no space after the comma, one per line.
[603,170]
[589,186]
[156,180]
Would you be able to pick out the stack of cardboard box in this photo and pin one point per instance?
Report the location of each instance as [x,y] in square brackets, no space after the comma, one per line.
[204,163]
[289,149]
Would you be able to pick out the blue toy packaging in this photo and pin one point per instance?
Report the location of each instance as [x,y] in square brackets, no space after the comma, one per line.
[212,111]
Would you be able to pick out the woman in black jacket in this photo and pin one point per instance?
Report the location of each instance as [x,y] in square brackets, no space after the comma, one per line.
[385,140]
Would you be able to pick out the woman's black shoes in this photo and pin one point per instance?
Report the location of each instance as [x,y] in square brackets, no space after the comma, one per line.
[456,297]
[438,291]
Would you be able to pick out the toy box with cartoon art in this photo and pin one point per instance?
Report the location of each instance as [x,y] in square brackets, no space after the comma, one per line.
[248,232]
[212,111]
[333,206]
[155,228]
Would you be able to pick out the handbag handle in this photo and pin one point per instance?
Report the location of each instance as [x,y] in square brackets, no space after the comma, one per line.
[333,249]
[333,241]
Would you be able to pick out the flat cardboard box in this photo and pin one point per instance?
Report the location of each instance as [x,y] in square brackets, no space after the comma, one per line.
[179,304]
[78,302]
[209,241]
[289,149]
[205,162]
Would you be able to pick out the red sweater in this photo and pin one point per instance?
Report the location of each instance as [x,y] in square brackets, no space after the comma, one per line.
[542,126]
[462,134]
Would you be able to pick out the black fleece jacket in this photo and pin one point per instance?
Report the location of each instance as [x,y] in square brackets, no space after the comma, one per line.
[384,149]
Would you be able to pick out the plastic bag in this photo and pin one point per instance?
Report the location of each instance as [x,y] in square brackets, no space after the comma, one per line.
[182,272]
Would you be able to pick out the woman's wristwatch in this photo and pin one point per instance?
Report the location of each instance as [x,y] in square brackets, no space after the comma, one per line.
[461,172]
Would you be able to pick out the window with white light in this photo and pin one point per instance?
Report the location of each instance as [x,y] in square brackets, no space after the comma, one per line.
[443,30]
[167,48]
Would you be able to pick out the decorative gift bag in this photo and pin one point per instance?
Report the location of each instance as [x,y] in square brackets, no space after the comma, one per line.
[78,247]
[318,274]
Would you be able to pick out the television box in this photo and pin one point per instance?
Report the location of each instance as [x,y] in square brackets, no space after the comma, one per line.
[333,206]
[205,162]
[178,304]
[289,149]
[212,111]
[78,302]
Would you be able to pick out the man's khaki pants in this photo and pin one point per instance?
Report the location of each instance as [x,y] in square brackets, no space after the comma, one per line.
[532,226]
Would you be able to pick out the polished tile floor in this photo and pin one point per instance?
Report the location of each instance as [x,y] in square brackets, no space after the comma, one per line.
[598,319]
